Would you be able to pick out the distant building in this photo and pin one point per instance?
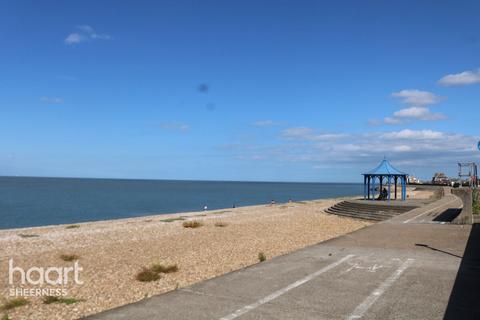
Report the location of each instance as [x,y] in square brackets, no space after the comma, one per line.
[414,180]
[440,178]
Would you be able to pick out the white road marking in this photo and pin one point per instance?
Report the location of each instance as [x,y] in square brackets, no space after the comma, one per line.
[358,266]
[433,209]
[370,300]
[282,291]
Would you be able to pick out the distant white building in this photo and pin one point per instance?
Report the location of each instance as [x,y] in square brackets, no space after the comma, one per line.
[412,179]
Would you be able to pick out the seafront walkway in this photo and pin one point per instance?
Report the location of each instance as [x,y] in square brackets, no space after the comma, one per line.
[413,266]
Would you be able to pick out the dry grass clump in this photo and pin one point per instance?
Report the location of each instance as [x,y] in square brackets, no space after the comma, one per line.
[153,273]
[73,226]
[13,303]
[160,268]
[221,224]
[28,235]
[172,219]
[262,257]
[147,275]
[54,299]
[192,224]
[68,257]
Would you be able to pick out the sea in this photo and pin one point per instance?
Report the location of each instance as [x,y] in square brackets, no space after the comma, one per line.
[29,202]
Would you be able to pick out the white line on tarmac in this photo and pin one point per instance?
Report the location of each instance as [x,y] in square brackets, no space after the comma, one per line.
[278,293]
[370,300]
[428,211]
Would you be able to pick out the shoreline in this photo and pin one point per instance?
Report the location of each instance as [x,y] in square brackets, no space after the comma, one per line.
[167,215]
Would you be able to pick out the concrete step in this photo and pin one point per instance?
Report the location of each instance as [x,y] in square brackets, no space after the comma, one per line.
[371,209]
[378,204]
[378,207]
[385,215]
[367,211]
[369,216]
[355,216]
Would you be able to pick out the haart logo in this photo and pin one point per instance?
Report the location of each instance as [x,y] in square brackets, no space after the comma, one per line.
[39,276]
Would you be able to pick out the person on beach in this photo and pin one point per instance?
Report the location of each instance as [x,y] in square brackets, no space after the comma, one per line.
[272,202]
[384,194]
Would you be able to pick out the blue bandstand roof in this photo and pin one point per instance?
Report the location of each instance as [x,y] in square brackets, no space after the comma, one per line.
[385,169]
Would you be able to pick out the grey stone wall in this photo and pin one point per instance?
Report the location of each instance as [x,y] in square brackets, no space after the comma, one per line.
[466,216]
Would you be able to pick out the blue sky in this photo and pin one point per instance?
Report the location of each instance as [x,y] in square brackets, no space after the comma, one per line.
[245,90]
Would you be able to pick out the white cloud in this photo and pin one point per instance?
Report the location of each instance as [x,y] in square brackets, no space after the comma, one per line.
[265,123]
[416,97]
[84,33]
[175,126]
[74,38]
[413,134]
[304,133]
[413,113]
[51,100]
[392,120]
[417,109]
[411,150]
[402,148]
[461,79]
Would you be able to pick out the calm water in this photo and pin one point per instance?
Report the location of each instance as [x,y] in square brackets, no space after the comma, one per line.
[26,202]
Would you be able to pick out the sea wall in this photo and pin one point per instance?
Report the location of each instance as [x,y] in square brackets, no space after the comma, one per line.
[466,216]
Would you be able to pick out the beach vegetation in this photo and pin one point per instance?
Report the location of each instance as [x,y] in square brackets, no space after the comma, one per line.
[262,257]
[147,275]
[154,272]
[55,299]
[192,224]
[28,235]
[13,303]
[161,268]
[6,317]
[172,219]
[73,226]
[68,257]
[476,202]
[221,224]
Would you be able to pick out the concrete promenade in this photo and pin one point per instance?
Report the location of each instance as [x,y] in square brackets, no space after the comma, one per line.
[414,266]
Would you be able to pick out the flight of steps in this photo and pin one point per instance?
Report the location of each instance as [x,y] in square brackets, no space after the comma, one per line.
[366,211]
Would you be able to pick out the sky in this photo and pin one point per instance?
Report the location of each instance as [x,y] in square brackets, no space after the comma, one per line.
[238,90]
